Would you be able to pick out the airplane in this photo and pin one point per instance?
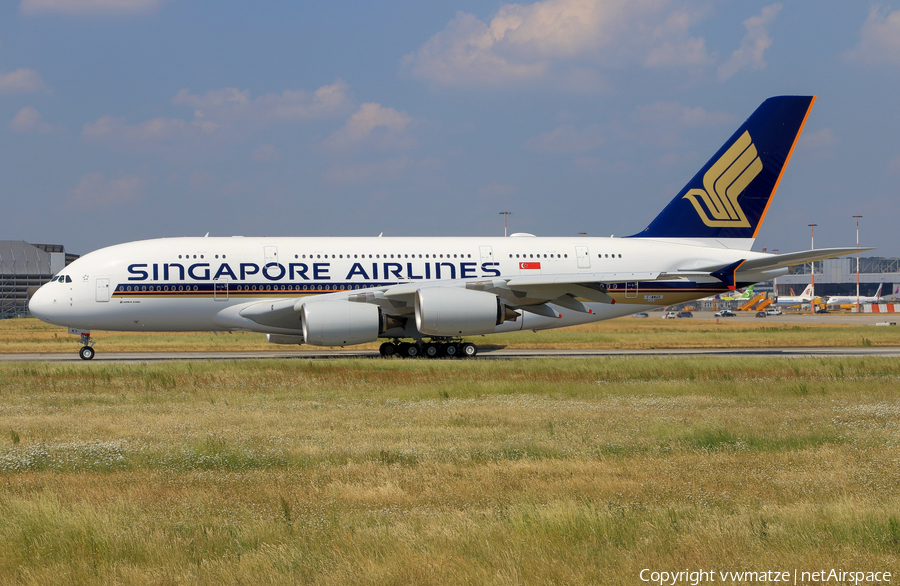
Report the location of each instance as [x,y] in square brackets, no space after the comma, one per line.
[854,300]
[745,294]
[424,295]
[806,296]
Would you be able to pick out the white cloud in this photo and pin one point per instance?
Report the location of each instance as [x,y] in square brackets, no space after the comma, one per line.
[232,105]
[20,81]
[29,120]
[373,126]
[219,115]
[94,190]
[526,42]
[566,139]
[675,46]
[157,131]
[753,46]
[880,41]
[89,7]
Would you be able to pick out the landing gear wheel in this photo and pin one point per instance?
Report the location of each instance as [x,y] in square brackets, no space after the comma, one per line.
[451,350]
[468,349]
[410,351]
[86,353]
[432,350]
[387,350]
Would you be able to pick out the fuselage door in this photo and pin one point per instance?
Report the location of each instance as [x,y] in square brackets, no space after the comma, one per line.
[583,257]
[631,290]
[487,254]
[102,290]
[271,254]
[220,290]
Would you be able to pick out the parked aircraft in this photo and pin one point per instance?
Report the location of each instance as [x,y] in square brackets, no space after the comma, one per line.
[806,296]
[738,296]
[854,300]
[433,292]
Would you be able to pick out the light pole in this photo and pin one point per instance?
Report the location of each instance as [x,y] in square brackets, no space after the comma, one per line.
[582,234]
[775,279]
[812,245]
[857,262]
[505,216]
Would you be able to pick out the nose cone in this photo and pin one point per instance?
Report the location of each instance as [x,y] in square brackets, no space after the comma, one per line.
[46,305]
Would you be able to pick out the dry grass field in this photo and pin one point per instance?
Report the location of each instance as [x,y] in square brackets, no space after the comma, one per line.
[446,472]
[32,335]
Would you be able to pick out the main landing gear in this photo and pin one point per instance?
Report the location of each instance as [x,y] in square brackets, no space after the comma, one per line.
[433,349]
[87,346]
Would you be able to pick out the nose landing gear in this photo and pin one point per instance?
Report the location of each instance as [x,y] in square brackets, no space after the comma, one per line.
[87,346]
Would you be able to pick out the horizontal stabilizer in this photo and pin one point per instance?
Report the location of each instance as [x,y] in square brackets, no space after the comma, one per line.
[791,259]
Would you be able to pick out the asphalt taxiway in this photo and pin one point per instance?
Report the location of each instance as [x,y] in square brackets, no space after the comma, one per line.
[483,354]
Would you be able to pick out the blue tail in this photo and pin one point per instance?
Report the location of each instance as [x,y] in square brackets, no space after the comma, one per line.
[729,196]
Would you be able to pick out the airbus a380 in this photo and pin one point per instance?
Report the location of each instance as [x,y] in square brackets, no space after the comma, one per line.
[432,292]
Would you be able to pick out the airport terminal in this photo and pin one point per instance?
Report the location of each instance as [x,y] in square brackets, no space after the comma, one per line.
[23,268]
[838,277]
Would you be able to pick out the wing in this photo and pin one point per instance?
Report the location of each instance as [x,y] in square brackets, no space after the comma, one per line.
[533,293]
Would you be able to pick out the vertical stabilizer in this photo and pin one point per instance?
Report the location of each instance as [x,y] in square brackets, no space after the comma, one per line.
[729,197]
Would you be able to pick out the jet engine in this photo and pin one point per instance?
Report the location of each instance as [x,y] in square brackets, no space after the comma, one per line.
[450,311]
[284,339]
[342,323]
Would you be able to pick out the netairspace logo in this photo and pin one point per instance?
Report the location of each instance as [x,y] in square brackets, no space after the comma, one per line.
[696,577]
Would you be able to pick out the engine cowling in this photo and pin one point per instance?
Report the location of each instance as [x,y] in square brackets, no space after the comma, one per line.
[340,323]
[450,311]
[284,339]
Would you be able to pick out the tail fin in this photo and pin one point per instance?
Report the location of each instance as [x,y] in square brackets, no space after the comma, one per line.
[729,196]
[878,293]
[808,292]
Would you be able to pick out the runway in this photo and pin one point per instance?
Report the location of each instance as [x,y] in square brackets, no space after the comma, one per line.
[483,354]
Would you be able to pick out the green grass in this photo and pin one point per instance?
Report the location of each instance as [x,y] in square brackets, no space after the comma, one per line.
[449,472]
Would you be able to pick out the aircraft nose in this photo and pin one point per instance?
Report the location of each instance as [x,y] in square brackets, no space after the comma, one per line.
[44,305]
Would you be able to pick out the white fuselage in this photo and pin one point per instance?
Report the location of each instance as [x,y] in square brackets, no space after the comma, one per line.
[203,284]
[853,300]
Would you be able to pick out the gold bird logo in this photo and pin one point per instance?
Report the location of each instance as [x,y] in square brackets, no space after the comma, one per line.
[724,182]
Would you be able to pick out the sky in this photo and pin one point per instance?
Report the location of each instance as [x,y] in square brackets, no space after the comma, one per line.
[124,120]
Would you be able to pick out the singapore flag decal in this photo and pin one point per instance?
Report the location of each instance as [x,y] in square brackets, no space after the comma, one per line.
[530,265]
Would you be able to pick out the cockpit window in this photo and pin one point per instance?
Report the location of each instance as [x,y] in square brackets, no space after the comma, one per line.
[53,280]
[68,279]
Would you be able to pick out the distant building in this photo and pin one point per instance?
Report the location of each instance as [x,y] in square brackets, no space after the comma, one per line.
[837,276]
[25,267]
